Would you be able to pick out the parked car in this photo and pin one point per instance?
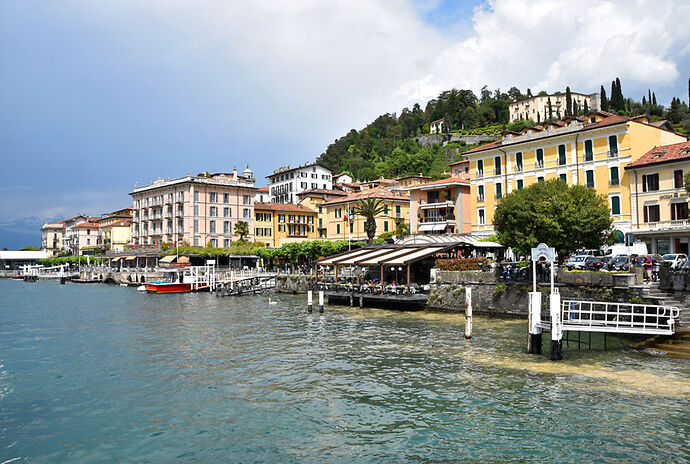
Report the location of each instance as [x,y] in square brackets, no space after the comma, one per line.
[638,248]
[621,263]
[675,259]
[595,263]
[590,252]
[576,262]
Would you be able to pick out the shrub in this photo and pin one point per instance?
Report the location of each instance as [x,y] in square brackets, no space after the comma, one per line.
[460,264]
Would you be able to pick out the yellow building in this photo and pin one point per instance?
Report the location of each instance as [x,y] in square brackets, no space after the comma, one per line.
[279,223]
[590,150]
[116,234]
[314,200]
[659,199]
[343,224]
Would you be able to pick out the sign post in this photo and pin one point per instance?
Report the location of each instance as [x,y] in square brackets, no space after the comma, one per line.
[534,344]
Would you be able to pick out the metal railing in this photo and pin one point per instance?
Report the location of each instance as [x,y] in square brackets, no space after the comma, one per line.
[603,316]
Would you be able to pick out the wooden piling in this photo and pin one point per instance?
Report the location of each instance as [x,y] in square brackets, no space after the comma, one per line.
[468,313]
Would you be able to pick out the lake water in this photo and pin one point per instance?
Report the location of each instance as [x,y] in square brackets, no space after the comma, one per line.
[94,373]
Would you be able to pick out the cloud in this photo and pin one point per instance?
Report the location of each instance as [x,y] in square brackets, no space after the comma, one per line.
[548,44]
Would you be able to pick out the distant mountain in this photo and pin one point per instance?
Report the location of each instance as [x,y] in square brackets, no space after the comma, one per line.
[18,233]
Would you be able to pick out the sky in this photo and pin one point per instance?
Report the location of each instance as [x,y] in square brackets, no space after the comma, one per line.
[95,96]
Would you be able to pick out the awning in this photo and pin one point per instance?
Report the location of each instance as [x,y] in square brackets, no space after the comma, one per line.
[438,227]
[415,256]
[114,260]
[426,227]
[488,245]
[375,260]
[130,258]
[372,252]
[183,260]
[332,259]
[167,259]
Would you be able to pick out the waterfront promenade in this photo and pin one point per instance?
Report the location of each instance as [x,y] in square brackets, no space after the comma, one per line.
[95,373]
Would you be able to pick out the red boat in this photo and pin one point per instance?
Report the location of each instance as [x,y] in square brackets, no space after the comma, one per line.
[177,281]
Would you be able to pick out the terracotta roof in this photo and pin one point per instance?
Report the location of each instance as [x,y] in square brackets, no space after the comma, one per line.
[287,207]
[263,189]
[414,176]
[123,223]
[377,192]
[86,225]
[338,175]
[323,192]
[448,180]
[663,154]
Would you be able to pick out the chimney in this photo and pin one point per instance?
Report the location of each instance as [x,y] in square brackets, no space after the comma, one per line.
[234,173]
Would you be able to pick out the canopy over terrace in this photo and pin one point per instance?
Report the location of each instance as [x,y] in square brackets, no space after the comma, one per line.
[388,255]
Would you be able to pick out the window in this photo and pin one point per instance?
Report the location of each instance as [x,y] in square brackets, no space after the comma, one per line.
[679,211]
[561,155]
[291,218]
[563,177]
[226,243]
[303,185]
[480,193]
[196,226]
[540,157]
[518,161]
[540,179]
[281,218]
[196,210]
[337,228]
[589,151]
[480,168]
[281,227]
[616,205]
[212,226]
[196,241]
[227,212]
[320,209]
[613,146]
[213,211]
[338,213]
[196,195]
[226,227]
[650,182]
[246,199]
[651,213]
[499,190]
[352,227]
[247,213]
[385,226]
[520,184]
[214,243]
[589,178]
[226,198]
[614,177]
[678,179]
[397,211]
[482,220]
[497,165]
[385,209]
[267,232]
[213,197]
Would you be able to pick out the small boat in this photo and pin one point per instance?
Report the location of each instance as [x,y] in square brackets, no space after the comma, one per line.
[177,281]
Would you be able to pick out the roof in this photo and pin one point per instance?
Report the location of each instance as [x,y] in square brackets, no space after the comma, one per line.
[122,223]
[441,183]
[341,174]
[289,168]
[262,189]
[376,192]
[55,225]
[663,154]
[86,225]
[322,192]
[23,255]
[663,124]
[286,207]
[609,119]
[415,176]
[385,255]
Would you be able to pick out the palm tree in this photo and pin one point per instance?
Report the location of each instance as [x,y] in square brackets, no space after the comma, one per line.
[369,209]
[242,229]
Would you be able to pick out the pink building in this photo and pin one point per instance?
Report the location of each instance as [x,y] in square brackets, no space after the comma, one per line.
[441,207]
[86,237]
[198,209]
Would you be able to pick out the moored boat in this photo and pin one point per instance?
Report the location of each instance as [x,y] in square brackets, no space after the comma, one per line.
[179,281]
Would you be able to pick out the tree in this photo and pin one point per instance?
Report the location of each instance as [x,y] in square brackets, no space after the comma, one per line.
[242,229]
[402,229]
[369,209]
[586,107]
[604,100]
[548,105]
[29,248]
[568,102]
[566,218]
[514,93]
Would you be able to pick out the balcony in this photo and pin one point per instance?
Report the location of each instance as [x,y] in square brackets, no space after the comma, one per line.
[519,168]
[613,153]
[539,164]
[663,226]
[480,197]
[614,182]
[436,219]
[436,205]
[497,172]
[480,174]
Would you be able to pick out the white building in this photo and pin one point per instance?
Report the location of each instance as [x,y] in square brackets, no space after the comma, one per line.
[286,182]
[70,239]
[537,108]
[437,127]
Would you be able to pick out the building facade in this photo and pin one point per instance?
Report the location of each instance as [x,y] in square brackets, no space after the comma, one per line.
[659,199]
[280,223]
[537,108]
[86,237]
[52,236]
[441,207]
[591,151]
[344,224]
[287,182]
[200,210]
[314,200]
[69,239]
[437,127]
[115,234]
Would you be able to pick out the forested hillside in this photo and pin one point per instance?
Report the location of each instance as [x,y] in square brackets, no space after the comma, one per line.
[387,148]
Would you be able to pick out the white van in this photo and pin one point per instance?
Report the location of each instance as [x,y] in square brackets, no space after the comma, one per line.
[637,248]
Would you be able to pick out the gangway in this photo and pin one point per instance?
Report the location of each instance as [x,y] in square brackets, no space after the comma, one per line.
[246,286]
[620,318]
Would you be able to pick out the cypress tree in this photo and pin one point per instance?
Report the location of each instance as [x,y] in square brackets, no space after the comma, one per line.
[653,99]
[568,102]
[604,100]
[586,107]
[649,96]
[548,104]
[644,102]
[538,117]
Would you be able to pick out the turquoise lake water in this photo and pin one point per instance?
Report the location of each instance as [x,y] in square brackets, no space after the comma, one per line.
[94,373]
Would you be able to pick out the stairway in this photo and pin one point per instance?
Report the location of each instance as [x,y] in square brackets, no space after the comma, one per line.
[665,298]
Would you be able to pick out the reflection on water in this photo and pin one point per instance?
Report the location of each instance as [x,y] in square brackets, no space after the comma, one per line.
[96,373]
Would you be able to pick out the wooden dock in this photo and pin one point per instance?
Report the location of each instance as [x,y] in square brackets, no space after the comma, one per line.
[402,302]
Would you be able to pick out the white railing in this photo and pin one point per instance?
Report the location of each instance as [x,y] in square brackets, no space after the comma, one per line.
[657,225]
[601,316]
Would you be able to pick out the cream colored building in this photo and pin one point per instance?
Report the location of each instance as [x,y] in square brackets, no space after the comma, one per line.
[537,108]
[52,238]
[314,200]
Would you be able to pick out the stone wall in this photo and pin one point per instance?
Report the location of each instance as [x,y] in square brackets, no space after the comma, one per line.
[437,139]
[295,283]
[601,279]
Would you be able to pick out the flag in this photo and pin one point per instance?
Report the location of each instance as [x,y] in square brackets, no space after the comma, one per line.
[345,217]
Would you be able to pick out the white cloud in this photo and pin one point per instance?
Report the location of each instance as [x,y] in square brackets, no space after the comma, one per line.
[548,44]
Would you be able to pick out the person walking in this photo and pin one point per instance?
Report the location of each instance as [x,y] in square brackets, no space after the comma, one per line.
[647,264]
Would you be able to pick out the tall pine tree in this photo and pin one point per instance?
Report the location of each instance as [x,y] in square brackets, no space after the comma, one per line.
[604,100]
[586,110]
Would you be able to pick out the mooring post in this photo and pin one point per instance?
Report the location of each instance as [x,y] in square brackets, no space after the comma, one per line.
[310,301]
[361,301]
[320,301]
[468,313]
[534,323]
[556,327]
[352,300]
